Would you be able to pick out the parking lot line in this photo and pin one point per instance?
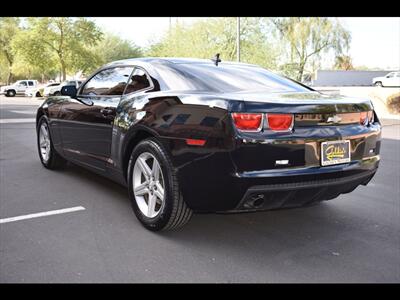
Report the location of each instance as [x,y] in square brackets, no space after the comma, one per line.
[42,214]
[21,120]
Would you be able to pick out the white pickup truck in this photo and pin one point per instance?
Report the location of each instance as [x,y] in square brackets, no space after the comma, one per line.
[19,87]
[391,79]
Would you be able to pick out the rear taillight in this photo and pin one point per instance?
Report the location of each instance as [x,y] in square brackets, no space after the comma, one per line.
[248,121]
[280,122]
[366,117]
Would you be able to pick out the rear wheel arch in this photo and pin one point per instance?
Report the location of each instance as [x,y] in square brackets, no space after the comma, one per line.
[134,139]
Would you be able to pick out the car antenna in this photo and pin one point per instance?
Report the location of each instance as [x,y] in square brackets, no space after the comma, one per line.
[216,59]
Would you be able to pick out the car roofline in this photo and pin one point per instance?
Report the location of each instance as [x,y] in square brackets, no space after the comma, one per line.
[172,60]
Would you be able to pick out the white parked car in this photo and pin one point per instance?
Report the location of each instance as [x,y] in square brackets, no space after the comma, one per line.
[19,87]
[39,90]
[56,90]
[391,79]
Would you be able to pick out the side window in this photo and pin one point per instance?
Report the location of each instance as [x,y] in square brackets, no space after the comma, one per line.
[390,75]
[108,82]
[23,83]
[30,83]
[137,82]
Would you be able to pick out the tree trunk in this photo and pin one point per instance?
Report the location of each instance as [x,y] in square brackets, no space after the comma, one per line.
[10,75]
[63,71]
[301,71]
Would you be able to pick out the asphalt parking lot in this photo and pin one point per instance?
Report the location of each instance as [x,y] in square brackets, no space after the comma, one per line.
[354,238]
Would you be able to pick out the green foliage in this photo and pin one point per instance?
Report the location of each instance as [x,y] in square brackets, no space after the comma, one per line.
[343,62]
[308,38]
[50,45]
[205,38]
[63,41]
[393,103]
[112,48]
[9,27]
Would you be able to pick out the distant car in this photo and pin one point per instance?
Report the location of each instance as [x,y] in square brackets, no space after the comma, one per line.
[56,90]
[19,87]
[391,79]
[38,91]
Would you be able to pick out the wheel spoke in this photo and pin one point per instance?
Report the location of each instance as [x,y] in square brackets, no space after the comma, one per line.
[159,191]
[156,170]
[142,189]
[43,131]
[151,205]
[144,167]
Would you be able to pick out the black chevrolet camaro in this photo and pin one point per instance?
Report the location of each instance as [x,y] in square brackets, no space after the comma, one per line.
[187,135]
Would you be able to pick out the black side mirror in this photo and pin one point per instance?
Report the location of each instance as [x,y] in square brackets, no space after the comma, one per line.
[69,90]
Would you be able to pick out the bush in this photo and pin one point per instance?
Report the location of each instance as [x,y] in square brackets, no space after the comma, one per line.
[393,103]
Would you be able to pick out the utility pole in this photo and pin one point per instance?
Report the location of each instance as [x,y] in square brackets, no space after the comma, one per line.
[238,40]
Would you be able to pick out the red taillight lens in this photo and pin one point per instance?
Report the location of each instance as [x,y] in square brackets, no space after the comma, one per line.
[194,142]
[280,122]
[248,122]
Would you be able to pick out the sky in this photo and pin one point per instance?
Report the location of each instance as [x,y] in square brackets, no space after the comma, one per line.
[375,41]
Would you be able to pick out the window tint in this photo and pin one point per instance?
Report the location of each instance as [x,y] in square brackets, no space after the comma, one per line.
[224,78]
[108,82]
[22,83]
[30,83]
[137,82]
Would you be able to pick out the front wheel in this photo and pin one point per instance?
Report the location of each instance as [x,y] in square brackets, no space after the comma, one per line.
[378,83]
[10,93]
[47,154]
[153,188]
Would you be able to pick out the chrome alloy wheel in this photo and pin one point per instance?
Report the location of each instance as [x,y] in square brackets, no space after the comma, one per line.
[44,142]
[148,184]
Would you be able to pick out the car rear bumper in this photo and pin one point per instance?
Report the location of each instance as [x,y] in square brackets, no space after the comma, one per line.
[229,181]
[304,189]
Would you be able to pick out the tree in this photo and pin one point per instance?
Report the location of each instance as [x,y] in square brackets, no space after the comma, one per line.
[343,62]
[112,48]
[64,40]
[205,38]
[9,27]
[308,38]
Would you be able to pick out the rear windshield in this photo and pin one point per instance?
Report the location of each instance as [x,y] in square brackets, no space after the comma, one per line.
[224,78]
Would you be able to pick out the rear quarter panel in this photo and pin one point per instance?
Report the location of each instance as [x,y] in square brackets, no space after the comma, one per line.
[202,170]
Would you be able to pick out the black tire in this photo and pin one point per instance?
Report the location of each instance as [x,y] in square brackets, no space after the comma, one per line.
[38,94]
[378,83]
[55,161]
[10,93]
[174,212]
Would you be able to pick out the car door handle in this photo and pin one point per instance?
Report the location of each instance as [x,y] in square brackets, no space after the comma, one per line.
[106,111]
